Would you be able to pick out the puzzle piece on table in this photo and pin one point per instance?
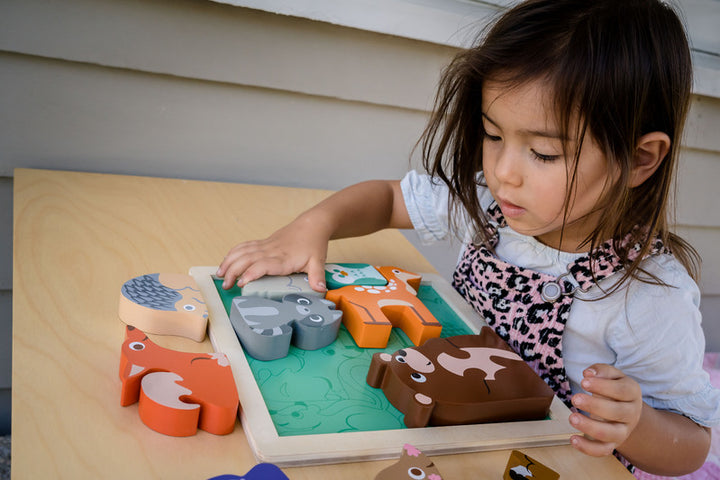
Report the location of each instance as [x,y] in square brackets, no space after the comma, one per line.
[261,471]
[164,304]
[338,275]
[266,327]
[522,467]
[275,287]
[460,380]
[177,392]
[370,312]
[412,465]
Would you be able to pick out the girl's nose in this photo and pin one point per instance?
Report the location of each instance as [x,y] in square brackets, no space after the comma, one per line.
[508,167]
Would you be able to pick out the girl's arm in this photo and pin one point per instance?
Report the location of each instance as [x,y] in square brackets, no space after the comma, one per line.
[301,246]
[656,441]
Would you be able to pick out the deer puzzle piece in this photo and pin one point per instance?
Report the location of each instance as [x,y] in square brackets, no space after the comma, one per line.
[261,471]
[460,380]
[370,312]
[275,287]
[164,304]
[338,275]
[413,465]
[177,392]
[266,327]
[522,467]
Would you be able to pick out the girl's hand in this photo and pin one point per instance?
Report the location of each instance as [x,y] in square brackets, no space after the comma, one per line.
[300,246]
[612,411]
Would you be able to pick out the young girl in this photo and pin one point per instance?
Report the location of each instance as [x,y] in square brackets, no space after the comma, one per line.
[551,153]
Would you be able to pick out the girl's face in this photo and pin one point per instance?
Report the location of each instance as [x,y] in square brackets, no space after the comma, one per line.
[528,173]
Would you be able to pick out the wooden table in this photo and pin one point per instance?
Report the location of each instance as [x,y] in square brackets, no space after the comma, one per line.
[78,237]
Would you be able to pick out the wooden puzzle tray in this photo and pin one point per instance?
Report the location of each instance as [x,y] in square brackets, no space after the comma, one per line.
[314,407]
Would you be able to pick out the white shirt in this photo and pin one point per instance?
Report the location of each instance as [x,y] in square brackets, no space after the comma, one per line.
[650,332]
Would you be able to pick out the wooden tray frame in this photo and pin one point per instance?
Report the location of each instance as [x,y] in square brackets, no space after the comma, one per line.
[298,450]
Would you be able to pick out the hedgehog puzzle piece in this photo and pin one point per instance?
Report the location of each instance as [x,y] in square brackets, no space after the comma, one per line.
[177,392]
[458,380]
[522,467]
[370,312]
[266,327]
[164,304]
[412,465]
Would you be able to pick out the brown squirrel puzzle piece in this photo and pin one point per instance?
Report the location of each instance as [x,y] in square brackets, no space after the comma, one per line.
[412,465]
[460,380]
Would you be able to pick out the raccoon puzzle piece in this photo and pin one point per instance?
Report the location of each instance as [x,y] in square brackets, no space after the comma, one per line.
[164,304]
[460,380]
[261,471]
[522,467]
[413,465]
[177,392]
[338,275]
[370,312]
[276,287]
[266,327]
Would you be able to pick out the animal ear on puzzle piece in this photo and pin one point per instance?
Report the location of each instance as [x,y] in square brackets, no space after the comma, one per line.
[419,411]
[164,304]
[522,467]
[412,465]
[378,368]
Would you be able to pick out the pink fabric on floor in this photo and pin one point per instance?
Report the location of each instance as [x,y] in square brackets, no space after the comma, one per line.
[711,469]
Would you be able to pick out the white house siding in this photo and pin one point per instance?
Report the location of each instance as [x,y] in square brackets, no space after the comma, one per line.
[203,90]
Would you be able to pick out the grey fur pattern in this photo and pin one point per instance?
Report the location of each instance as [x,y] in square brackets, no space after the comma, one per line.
[266,327]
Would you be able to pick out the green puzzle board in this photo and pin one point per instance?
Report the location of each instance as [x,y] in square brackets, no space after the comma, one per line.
[324,391]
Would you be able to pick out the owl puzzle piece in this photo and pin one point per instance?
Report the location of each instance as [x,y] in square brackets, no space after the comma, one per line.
[261,471]
[266,327]
[522,467]
[338,275]
[164,304]
[275,287]
[177,392]
[370,312]
[412,465]
[460,380]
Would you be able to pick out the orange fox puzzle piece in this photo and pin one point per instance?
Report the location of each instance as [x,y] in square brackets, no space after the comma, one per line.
[177,392]
[370,312]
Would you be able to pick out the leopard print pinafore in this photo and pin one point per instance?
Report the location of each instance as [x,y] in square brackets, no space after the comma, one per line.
[529,309]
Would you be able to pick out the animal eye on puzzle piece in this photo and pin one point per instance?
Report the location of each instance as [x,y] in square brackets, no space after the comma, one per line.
[164,304]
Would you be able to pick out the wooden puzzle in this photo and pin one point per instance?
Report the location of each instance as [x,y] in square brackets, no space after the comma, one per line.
[413,465]
[291,412]
[276,287]
[460,380]
[370,312]
[164,304]
[266,327]
[522,467]
[177,392]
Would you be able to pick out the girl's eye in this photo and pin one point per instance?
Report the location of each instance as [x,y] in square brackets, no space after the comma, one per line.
[544,158]
[492,138]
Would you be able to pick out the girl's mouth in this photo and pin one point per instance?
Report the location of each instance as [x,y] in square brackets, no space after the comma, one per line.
[510,209]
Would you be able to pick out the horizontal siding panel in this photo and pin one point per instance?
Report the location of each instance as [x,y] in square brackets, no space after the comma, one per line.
[703,124]
[211,41]
[706,241]
[82,117]
[698,195]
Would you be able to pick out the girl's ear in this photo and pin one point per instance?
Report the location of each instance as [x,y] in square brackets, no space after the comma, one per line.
[649,154]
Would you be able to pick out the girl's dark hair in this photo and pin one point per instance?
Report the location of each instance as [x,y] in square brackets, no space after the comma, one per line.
[622,67]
